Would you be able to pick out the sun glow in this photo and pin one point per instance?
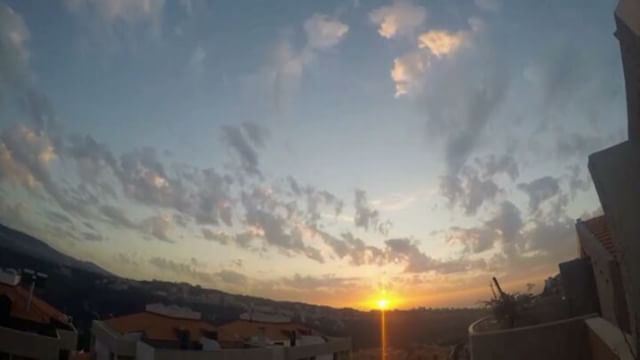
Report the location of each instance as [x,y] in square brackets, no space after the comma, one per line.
[383,303]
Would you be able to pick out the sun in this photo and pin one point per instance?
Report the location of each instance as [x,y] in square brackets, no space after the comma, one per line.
[383,303]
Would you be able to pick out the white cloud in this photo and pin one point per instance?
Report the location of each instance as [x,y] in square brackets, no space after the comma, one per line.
[196,61]
[441,43]
[489,5]
[14,54]
[399,19]
[128,11]
[408,71]
[324,32]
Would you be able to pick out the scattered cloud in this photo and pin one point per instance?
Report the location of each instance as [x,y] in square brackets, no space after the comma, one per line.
[159,226]
[191,270]
[116,12]
[366,216]
[402,18]
[488,5]
[309,282]
[243,148]
[14,54]
[475,184]
[440,42]
[540,190]
[324,32]
[408,71]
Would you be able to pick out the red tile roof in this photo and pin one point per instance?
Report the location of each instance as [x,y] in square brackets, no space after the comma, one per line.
[39,311]
[159,327]
[600,229]
[241,330]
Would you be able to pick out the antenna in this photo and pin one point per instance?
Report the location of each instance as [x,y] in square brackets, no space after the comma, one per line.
[34,277]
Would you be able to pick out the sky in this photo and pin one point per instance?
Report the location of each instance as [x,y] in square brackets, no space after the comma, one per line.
[316,151]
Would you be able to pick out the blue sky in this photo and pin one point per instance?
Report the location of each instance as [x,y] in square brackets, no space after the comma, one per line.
[314,151]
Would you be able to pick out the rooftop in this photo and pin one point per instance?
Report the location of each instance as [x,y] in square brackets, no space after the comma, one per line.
[39,311]
[240,330]
[160,327]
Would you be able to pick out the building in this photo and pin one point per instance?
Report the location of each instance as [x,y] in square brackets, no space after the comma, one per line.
[158,327]
[599,314]
[596,245]
[29,327]
[169,332]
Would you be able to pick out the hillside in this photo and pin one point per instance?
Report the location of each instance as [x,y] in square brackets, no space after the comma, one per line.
[26,244]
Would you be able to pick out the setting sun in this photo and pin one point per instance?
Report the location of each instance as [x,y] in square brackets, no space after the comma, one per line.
[383,303]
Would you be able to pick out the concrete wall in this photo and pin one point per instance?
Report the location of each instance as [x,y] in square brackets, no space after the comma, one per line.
[579,287]
[28,344]
[606,271]
[616,176]
[112,341]
[628,18]
[607,342]
[560,340]
[342,347]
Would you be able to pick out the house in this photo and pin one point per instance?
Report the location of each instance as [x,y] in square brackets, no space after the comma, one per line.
[158,327]
[29,327]
[169,332]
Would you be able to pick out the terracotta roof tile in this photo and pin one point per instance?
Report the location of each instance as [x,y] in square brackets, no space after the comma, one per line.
[159,327]
[40,311]
[600,229]
[240,330]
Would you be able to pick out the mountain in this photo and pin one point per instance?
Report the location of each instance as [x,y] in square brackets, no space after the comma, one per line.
[22,243]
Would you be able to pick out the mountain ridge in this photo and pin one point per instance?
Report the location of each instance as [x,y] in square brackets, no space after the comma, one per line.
[24,243]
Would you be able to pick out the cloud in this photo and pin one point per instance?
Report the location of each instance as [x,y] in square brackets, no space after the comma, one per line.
[191,270]
[25,156]
[231,277]
[92,236]
[119,11]
[196,63]
[399,19]
[143,177]
[266,218]
[354,249]
[440,42]
[493,165]
[504,228]
[256,133]
[14,214]
[408,71]
[540,190]
[324,32]
[117,216]
[475,184]
[158,226]
[308,282]
[365,216]
[488,5]
[286,70]
[407,251]
[216,236]
[243,148]
[14,54]
[94,162]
